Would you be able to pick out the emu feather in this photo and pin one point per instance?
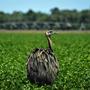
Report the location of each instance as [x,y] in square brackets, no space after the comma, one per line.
[42,66]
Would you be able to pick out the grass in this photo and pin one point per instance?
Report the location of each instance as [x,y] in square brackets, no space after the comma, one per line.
[71,49]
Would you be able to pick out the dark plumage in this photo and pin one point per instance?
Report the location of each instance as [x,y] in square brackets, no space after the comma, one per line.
[42,66]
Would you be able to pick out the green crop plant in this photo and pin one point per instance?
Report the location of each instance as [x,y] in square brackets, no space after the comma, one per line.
[71,49]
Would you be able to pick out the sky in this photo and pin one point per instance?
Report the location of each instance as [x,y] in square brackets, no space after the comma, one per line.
[9,6]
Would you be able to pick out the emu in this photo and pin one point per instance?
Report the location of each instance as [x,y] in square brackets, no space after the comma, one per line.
[42,65]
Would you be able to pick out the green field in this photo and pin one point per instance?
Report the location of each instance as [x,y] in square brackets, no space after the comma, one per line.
[71,49]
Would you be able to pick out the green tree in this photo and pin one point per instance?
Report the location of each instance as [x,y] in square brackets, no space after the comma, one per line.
[2,17]
[30,16]
[85,16]
[16,16]
[42,17]
[55,14]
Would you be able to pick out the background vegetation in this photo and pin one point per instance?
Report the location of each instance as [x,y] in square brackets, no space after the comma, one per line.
[57,19]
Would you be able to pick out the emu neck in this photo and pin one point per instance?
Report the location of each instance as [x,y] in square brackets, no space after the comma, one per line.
[49,43]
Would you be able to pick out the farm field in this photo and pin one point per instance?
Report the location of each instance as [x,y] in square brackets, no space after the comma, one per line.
[71,49]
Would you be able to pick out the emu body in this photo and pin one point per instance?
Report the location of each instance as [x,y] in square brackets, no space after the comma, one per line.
[42,66]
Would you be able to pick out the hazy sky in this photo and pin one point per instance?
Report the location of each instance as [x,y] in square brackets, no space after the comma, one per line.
[42,5]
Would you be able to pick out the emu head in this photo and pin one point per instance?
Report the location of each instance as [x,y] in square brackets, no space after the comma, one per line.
[49,33]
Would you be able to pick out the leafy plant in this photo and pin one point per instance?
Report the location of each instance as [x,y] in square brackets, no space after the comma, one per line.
[72,51]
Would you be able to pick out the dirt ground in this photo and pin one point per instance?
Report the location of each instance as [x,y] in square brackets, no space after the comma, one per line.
[43,31]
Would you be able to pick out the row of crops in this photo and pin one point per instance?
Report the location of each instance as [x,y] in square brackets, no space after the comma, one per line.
[71,49]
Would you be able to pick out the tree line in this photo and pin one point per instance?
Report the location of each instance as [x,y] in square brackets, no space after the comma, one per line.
[56,19]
